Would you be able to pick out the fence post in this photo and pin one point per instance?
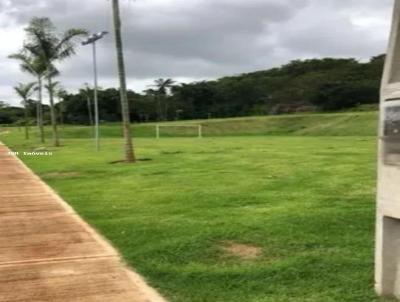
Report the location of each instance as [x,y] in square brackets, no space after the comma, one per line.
[157,131]
[200,131]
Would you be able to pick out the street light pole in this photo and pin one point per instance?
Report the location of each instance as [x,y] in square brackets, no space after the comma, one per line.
[92,40]
[96,101]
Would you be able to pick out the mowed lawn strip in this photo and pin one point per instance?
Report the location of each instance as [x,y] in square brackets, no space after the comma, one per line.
[232,218]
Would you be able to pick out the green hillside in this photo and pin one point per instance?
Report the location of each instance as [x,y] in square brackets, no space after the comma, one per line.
[335,124]
[339,124]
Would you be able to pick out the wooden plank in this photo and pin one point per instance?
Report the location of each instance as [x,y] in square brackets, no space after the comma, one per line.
[28,198]
[28,203]
[33,271]
[21,189]
[38,209]
[93,280]
[42,239]
[51,251]
[24,225]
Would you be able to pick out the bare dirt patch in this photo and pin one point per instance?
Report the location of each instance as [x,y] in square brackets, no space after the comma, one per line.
[243,251]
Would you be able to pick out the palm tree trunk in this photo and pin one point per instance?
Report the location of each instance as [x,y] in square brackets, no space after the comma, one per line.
[159,113]
[39,111]
[26,119]
[166,109]
[56,141]
[62,114]
[89,105]
[91,121]
[129,153]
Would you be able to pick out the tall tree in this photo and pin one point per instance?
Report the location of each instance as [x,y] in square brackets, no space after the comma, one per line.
[25,91]
[163,86]
[129,152]
[45,43]
[36,67]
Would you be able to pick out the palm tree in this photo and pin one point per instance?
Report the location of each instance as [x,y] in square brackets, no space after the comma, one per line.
[152,94]
[45,43]
[37,68]
[51,88]
[61,94]
[25,91]
[87,93]
[129,152]
[162,85]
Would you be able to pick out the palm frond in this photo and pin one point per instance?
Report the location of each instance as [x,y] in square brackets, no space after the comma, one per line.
[25,90]
[30,63]
[66,45]
[26,62]
[61,92]
[163,85]
[52,71]
[71,36]
[41,37]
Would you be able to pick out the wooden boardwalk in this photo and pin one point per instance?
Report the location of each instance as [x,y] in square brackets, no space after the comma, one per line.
[48,253]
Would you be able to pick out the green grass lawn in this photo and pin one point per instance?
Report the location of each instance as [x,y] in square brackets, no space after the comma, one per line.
[305,203]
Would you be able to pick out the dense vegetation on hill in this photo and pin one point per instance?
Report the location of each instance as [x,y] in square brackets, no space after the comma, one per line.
[310,85]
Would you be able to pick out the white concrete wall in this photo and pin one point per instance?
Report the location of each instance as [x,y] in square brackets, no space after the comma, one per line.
[387,257]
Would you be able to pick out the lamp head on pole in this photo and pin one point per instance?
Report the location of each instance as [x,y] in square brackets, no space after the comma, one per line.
[94,37]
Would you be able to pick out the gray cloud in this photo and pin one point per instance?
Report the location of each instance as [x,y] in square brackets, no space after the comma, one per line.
[201,39]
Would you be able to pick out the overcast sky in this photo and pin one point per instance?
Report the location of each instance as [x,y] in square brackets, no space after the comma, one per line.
[191,40]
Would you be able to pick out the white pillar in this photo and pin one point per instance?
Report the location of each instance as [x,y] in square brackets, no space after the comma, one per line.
[387,253]
[157,131]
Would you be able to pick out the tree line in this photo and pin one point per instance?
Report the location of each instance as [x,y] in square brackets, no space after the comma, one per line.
[328,84]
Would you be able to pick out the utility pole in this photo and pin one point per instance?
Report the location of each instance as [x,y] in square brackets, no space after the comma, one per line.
[92,40]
